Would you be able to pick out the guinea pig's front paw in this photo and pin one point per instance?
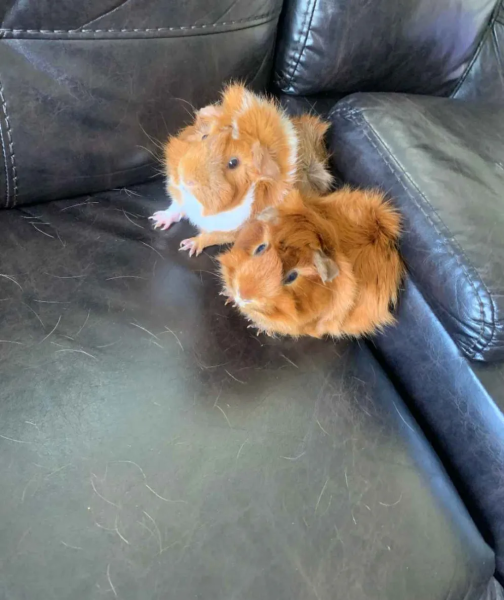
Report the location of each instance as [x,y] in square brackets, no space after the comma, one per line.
[192,245]
[164,219]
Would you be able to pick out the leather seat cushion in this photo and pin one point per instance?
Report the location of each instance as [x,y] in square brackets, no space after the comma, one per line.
[150,442]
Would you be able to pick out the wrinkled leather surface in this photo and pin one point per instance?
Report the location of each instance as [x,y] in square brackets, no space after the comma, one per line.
[459,404]
[443,163]
[494,591]
[414,46]
[319,105]
[152,445]
[85,100]
[484,78]
[152,17]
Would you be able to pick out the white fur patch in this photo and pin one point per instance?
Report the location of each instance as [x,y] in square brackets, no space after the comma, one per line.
[228,220]
[247,101]
[290,132]
[235,130]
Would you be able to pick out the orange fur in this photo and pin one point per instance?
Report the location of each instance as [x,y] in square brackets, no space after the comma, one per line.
[197,244]
[261,142]
[344,250]
[313,175]
[256,131]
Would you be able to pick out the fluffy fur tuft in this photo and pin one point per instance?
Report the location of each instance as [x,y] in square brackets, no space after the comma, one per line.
[313,174]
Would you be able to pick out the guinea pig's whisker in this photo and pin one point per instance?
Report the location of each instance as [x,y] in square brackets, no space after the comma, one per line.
[156,158]
[156,143]
[186,101]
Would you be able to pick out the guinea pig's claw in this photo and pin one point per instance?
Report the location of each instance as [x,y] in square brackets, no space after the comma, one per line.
[164,221]
[190,245]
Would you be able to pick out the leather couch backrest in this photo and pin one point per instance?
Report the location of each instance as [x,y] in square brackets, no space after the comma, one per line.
[87,89]
[412,46]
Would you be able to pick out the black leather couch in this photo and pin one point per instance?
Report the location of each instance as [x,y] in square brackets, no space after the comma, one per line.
[152,447]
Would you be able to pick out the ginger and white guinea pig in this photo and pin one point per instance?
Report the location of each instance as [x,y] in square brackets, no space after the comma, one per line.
[327,267]
[237,158]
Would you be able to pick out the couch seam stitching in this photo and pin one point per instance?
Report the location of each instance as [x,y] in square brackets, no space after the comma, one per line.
[6,166]
[8,129]
[431,221]
[141,30]
[343,110]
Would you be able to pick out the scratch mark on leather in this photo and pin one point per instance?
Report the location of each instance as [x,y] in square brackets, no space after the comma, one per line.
[51,332]
[225,416]
[98,493]
[10,278]
[78,351]
[294,458]
[4,437]
[394,503]
[402,418]
[321,494]
[110,581]
[84,324]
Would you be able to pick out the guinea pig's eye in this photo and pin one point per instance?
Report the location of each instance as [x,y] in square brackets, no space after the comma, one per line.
[260,249]
[204,137]
[292,276]
[233,163]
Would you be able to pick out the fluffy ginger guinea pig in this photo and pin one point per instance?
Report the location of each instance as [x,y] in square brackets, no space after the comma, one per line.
[330,267]
[237,158]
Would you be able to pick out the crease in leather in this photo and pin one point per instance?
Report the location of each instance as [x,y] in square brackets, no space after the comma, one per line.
[12,155]
[497,49]
[267,56]
[447,238]
[479,48]
[5,32]
[305,27]
[106,13]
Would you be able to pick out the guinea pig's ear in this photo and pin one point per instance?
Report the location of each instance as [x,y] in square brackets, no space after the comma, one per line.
[264,162]
[205,117]
[268,215]
[326,267]
[212,111]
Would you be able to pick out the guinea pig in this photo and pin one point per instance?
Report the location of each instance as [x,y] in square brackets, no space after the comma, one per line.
[239,157]
[327,267]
